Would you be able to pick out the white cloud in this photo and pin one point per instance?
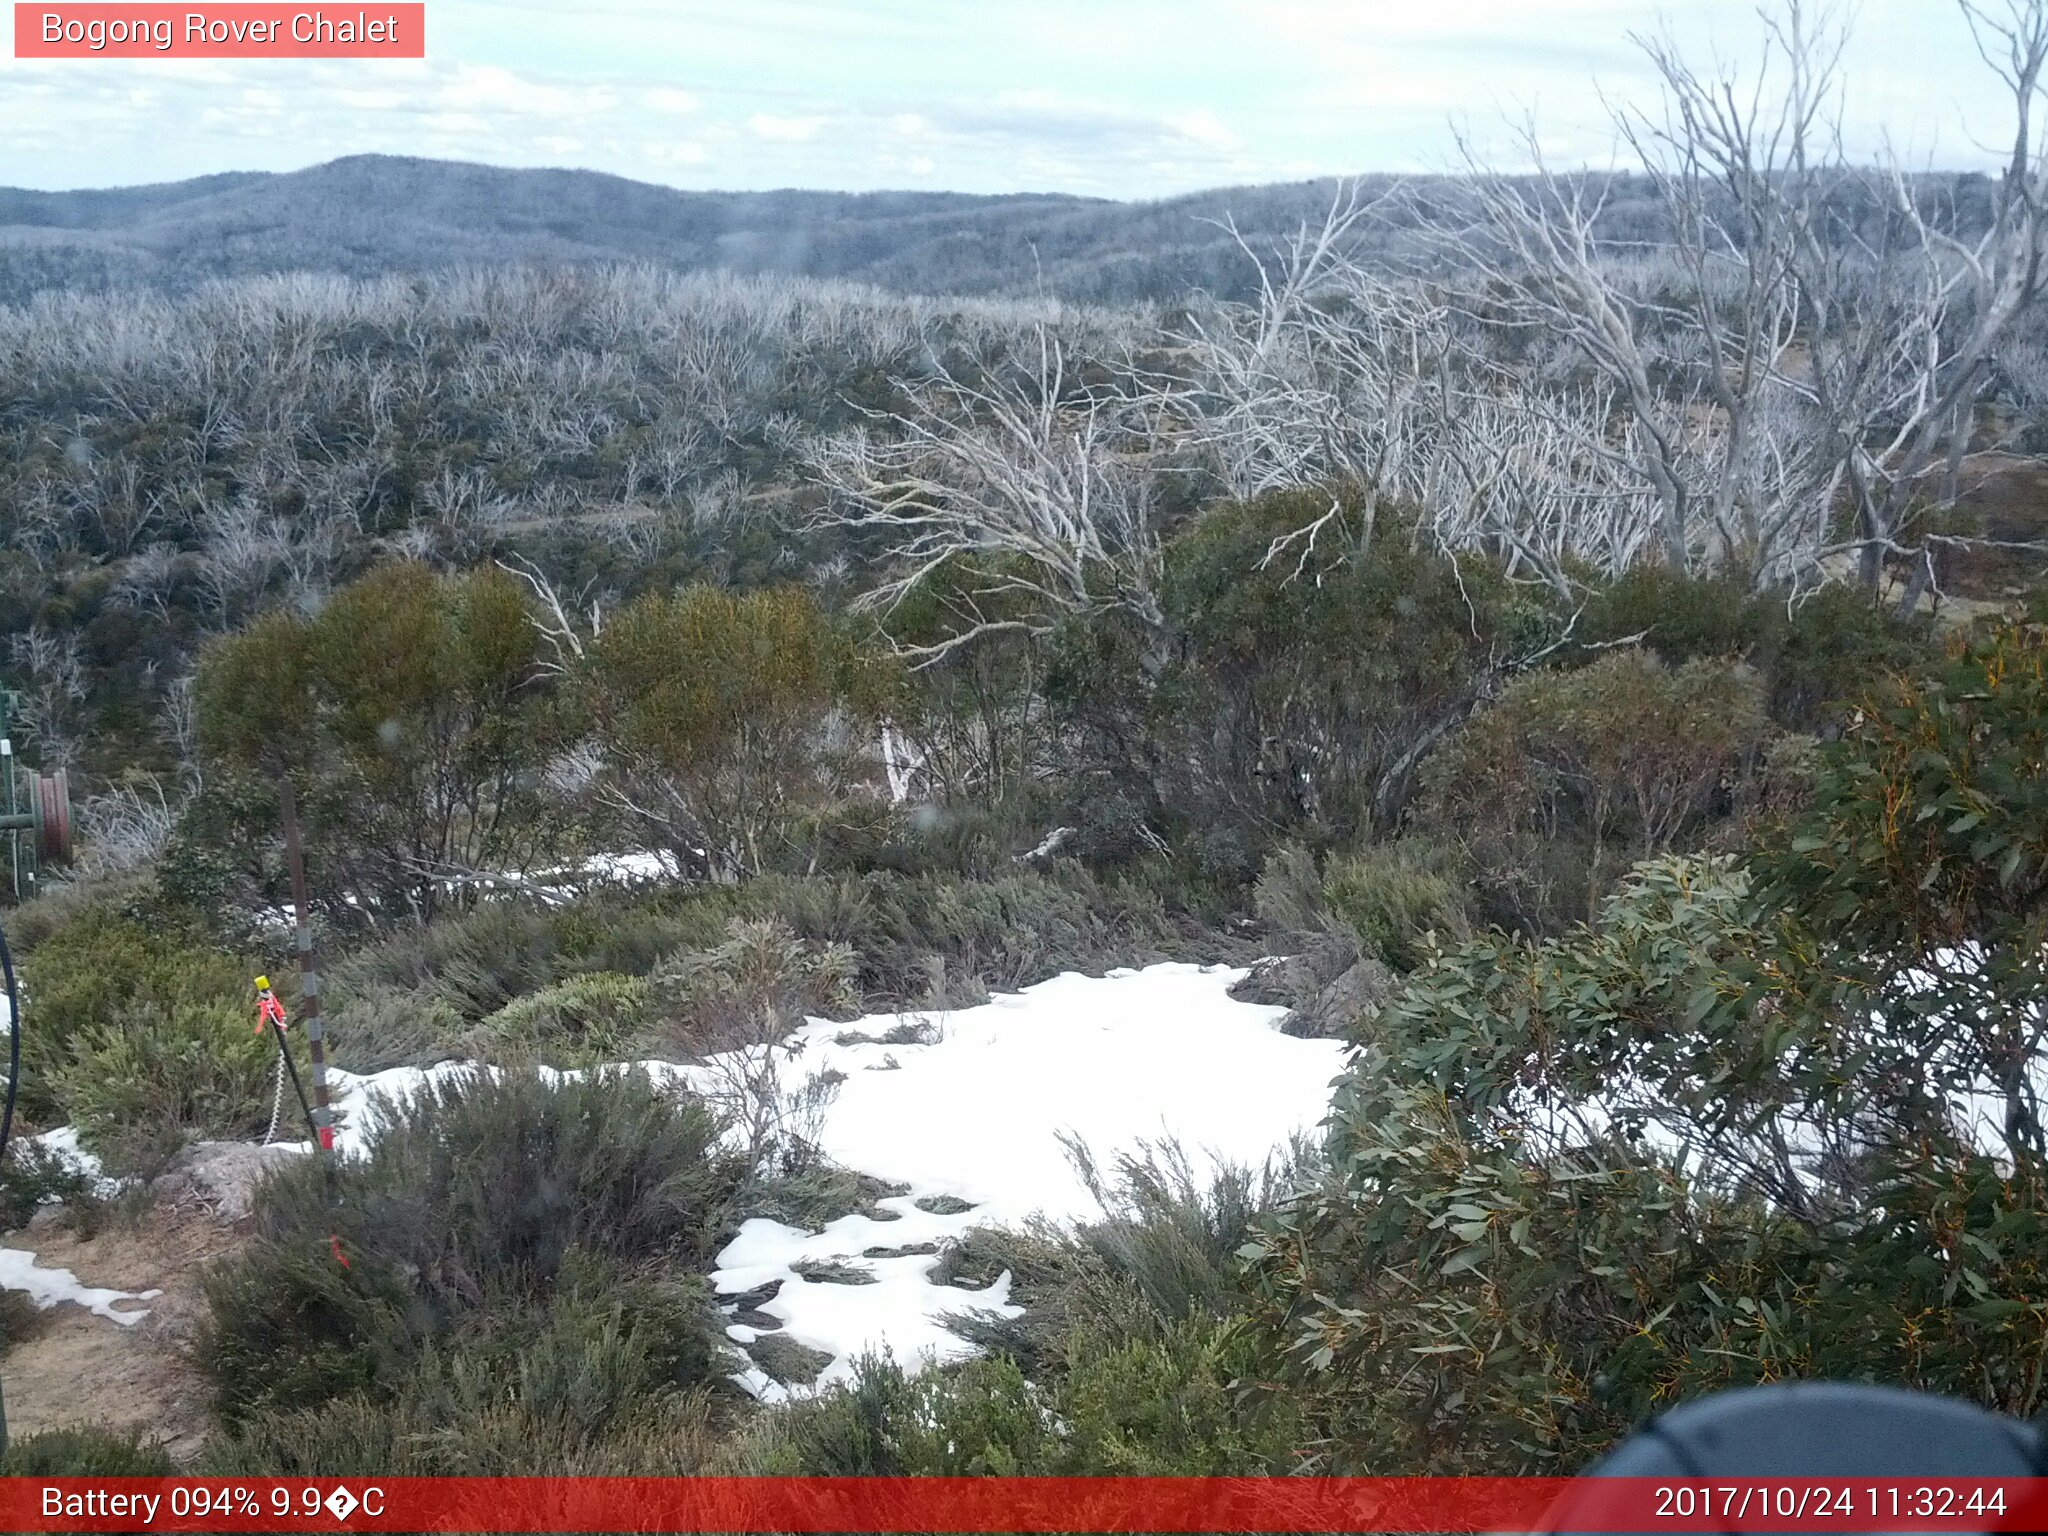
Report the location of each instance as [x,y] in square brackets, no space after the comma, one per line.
[667,99]
[1167,96]
[778,129]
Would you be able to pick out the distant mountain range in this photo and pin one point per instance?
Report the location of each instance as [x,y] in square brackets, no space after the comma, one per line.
[370,215]
[374,214]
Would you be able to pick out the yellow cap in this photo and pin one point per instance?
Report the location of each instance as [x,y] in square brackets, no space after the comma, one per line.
[262,983]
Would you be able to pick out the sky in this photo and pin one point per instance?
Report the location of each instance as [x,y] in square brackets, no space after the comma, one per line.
[1113,98]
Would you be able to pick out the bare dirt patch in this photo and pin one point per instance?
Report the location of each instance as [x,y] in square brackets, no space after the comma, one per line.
[82,1369]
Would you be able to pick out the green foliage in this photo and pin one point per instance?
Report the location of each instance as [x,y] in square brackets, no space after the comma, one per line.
[465,1423]
[1306,677]
[108,960]
[1392,897]
[140,1033]
[575,1022]
[1914,889]
[32,1176]
[976,715]
[415,995]
[762,982]
[1812,656]
[85,1452]
[1504,1268]
[730,720]
[1573,776]
[145,1078]
[540,1236]
[411,713]
[1159,1406]
[1288,895]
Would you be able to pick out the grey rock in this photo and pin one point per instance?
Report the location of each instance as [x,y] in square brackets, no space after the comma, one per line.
[220,1175]
[1339,1008]
[1295,980]
[49,1218]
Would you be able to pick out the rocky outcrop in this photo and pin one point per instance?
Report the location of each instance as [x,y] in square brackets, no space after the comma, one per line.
[1325,985]
[220,1176]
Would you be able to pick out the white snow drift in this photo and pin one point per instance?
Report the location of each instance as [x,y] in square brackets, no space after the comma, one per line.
[978,1115]
[47,1287]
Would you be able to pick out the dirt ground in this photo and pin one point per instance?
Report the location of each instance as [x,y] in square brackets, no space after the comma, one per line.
[79,1368]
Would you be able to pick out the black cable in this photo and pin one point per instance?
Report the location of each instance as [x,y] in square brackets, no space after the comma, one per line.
[13,1043]
[13,1087]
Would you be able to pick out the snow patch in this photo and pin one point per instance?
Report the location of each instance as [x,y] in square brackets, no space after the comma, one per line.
[980,1113]
[975,1109]
[48,1287]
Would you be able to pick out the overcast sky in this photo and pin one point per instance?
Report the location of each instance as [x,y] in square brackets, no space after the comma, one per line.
[1119,98]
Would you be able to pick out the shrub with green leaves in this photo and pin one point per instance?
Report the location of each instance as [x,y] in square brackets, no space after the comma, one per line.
[1392,897]
[147,1078]
[575,1022]
[1813,656]
[1571,777]
[414,717]
[103,961]
[140,1031]
[730,721]
[1309,675]
[1913,889]
[31,1176]
[85,1451]
[503,1232]
[1163,1404]
[754,988]
[1715,1138]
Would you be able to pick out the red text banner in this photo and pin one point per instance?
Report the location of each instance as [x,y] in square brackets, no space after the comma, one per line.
[237,31]
[884,1504]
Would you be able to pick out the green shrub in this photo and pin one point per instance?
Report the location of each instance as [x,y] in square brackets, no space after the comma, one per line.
[415,719]
[381,1026]
[149,1077]
[1390,897]
[1167,1249]
[102,964]
[1571,777]
[486,1206]
[1161,1405]
[727,718]
[1288,895]
[469,1423]
[754,988]
[576,1022]
[32,1176]
[20,1319]
[85,1452]
[1813,656]
[1308,676]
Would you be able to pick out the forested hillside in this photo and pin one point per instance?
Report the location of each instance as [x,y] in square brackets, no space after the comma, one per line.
[374,215]
[1581,664]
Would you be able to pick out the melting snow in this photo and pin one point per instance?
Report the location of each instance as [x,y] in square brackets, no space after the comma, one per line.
[976,1113]
[47,1287]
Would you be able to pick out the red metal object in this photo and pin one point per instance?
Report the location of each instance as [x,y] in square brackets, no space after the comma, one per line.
[51,797]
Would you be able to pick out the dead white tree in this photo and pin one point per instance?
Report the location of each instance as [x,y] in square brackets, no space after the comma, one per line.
[1029,490]
[1325,376]
[1810,340]
[1899,380]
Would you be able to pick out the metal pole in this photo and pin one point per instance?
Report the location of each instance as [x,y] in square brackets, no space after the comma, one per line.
[309,975]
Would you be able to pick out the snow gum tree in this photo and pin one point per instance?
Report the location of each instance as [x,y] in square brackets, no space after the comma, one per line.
[1769,1116]
[729,723]
[412,716]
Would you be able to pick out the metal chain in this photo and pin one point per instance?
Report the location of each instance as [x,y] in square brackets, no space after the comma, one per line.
[276,1101]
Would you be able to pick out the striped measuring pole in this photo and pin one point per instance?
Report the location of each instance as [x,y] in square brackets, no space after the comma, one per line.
[309,973]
